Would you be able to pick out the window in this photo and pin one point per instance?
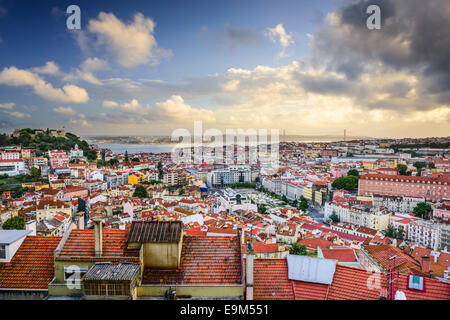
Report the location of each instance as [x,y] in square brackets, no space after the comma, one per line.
[416,283]
[69,272]
[2,251]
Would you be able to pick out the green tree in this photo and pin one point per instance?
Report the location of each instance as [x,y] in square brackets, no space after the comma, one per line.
[353,172]
[160,171]
[91,155]
[35,173]
[390,231]
[303,205]
[334,217]
[422,210]
[262,208]
[14,223]
[298,249]
[419,166]
[402,169]
[400,233]
[431,165]
[140,192]
[348,183]
[135,159]
[113,161]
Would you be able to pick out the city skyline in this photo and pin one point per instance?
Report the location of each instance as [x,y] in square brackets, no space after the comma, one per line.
[311,68]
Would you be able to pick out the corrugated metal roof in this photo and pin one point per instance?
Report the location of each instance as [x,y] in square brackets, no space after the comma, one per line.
[316,270]
[155,231]
[109,271]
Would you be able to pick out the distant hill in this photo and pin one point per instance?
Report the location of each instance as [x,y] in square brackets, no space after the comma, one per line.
[43,140]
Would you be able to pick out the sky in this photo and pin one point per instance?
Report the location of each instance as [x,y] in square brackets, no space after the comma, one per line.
[150,67]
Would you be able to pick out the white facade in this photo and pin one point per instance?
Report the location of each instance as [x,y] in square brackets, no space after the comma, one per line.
[425,233]
[12,167]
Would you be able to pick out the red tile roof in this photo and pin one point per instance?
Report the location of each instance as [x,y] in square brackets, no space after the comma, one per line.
[382,254]
[32,266]
[81,244]
[204,260]
[313,243]
[271,283]
[340,254]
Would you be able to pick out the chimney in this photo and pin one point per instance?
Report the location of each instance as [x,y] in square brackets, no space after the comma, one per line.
[98,231]
[407,250]
[249,277]
[425,264]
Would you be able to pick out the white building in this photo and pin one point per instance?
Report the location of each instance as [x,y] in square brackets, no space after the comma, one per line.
[232,201]
[12,167]
[425,233]
[230,175]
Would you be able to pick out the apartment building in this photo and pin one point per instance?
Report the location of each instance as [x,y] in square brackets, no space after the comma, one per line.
[433,188]
[425,233]
[230,175]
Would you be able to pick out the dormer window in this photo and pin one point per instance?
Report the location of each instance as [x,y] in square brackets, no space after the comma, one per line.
[415,283]
[2,251]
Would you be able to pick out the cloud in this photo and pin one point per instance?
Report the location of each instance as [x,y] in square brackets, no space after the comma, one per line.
[80,122]
[240,37]
[278,33]
[110,104]
[413,39]
[176,109]
[13,76]
[131,44]
[86,71]
[8,106]
[49,68]
[18,114]
[65,111]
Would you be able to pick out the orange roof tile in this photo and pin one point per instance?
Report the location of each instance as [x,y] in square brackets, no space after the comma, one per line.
[204,260]
[32,265]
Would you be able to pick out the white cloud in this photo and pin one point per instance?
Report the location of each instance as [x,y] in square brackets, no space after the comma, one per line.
[13,76]
[8,106]
[86,71]
[176,109]
[132,44]
[65,111]
[278,33]
[18,114]
[80,122]
[110,104]
[49,68]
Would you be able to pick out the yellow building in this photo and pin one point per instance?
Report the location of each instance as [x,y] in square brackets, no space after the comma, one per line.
[136,178]
[57,184]
[48,208]
[308,193]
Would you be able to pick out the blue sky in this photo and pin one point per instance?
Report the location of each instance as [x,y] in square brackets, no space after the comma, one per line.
[227,63]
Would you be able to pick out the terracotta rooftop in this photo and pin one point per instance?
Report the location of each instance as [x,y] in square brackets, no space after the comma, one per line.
[81,245]
[340,254]
[32,266]
[382,254]
[271,283]
[204,260]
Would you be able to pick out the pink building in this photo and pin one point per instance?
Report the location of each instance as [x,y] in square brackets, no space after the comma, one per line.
[75,192]
[58,159]
[442,211]
[431,188]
